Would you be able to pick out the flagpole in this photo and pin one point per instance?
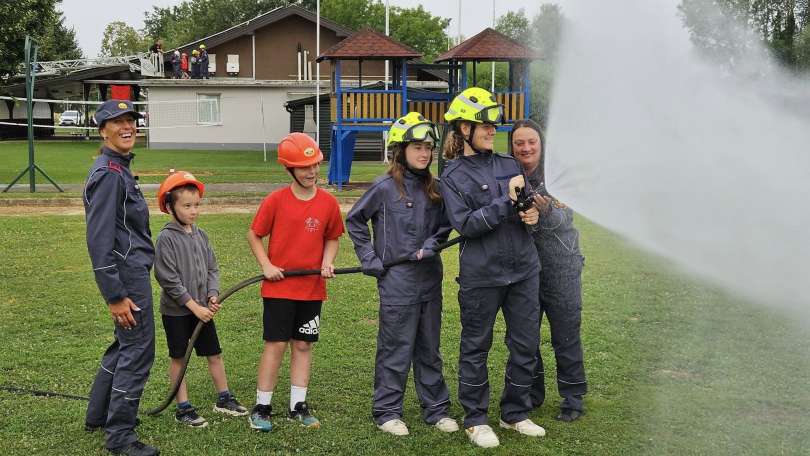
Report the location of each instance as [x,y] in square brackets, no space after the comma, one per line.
[317,72]
[493,62]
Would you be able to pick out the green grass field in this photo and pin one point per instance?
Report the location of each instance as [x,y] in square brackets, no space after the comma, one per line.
[674,367]
[67,162]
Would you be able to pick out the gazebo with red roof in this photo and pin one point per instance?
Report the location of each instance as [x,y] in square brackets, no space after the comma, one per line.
[492,46]
[358,109]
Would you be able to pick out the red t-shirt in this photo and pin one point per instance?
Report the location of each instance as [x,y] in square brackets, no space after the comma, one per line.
[297,232]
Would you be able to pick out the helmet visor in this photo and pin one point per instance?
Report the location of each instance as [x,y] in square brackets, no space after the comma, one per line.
[492,114]
[422,132]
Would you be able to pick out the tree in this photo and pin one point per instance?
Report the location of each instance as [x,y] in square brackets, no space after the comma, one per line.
[546,31]
[42,21]
[59,43]
[727,30]
[120,39]
[415,27]
[515,25]
[194,19]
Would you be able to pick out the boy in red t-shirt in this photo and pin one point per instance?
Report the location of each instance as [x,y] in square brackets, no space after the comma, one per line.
[303,224]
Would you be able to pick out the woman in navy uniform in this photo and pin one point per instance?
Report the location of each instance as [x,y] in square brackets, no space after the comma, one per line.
[121,252]
[498,265]
[557,243]
[405,210]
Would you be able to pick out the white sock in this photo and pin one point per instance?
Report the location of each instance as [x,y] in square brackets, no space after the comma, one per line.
[297,394]
[264,397]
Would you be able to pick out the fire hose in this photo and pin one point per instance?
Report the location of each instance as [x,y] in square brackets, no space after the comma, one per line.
[293,273]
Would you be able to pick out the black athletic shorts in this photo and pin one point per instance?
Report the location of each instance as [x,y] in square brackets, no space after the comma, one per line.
[286,319]
[178,332]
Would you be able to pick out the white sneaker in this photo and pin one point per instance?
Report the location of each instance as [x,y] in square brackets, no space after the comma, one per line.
[483,436]
[525,427]
[447,424]
[395,427]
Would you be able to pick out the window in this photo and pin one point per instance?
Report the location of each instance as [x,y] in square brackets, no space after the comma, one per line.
[208,109]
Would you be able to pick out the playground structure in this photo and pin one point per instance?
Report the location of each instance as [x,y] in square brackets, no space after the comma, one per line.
[357,109]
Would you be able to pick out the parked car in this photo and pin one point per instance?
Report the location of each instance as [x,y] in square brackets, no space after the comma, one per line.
[71,118]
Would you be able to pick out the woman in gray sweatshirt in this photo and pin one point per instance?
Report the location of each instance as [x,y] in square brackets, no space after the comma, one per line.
[557,243]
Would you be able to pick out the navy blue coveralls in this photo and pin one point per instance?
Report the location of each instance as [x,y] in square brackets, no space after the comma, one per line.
[410,294]
[557,243]
[204,64]
[499,269]
[121,252]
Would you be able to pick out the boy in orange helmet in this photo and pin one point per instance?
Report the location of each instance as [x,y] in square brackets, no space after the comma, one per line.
[303,224]
[186,269]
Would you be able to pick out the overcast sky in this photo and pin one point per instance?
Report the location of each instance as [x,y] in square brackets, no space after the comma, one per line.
[89,17]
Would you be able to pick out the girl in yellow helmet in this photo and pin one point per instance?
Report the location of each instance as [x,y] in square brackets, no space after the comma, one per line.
[405,210]
[499,268]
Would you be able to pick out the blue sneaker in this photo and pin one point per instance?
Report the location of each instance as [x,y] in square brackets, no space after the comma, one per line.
[302,415]
[260,418]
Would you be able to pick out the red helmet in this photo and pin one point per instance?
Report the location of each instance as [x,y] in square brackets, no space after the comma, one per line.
[299,150]
[176,179]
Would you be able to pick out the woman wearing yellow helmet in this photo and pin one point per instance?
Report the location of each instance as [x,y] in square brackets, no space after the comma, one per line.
[499,268]
[405,210]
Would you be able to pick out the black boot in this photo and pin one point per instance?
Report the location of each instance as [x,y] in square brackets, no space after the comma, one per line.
[136,448]
[569,415]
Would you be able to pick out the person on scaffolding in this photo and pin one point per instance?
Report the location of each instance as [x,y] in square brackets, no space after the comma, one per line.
[119,242]
[203,62]
[406,213]
[303,225]
[499,267]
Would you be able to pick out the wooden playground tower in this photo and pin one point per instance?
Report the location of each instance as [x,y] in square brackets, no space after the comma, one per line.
[356,109]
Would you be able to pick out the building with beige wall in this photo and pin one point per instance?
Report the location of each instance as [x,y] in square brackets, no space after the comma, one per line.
[276,55]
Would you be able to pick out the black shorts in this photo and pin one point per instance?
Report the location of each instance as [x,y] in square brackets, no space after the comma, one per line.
[286,319]
[178,332]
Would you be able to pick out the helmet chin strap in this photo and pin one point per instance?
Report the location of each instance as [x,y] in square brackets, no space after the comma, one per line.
[419,172]
[468,139]
[292,173]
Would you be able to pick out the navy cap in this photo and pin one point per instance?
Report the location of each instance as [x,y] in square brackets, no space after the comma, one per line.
[111,109]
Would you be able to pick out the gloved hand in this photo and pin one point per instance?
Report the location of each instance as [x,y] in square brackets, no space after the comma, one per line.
[374,268]
[422,254]
[515,183]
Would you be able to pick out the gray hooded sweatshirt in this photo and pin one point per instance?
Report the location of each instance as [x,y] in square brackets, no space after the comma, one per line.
[185,268]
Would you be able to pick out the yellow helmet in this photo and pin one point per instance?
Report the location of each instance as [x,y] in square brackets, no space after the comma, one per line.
[412,127]
[202,46]
[195,52]
[475,105]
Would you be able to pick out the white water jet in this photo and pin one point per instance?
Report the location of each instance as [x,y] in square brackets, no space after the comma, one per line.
[692,161]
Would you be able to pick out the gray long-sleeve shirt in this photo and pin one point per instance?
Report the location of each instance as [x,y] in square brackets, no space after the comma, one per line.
[185,267]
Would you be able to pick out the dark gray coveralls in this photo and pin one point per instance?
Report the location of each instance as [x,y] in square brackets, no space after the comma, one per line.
[498,270]
[557,243]
[121,252]
[410,293]
[204,64]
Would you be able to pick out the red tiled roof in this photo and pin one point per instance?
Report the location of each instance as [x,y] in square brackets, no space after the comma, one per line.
[369,44]
[488,45]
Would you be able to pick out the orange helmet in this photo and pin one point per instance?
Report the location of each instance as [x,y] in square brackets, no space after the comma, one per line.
[176,179]
[299,150]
